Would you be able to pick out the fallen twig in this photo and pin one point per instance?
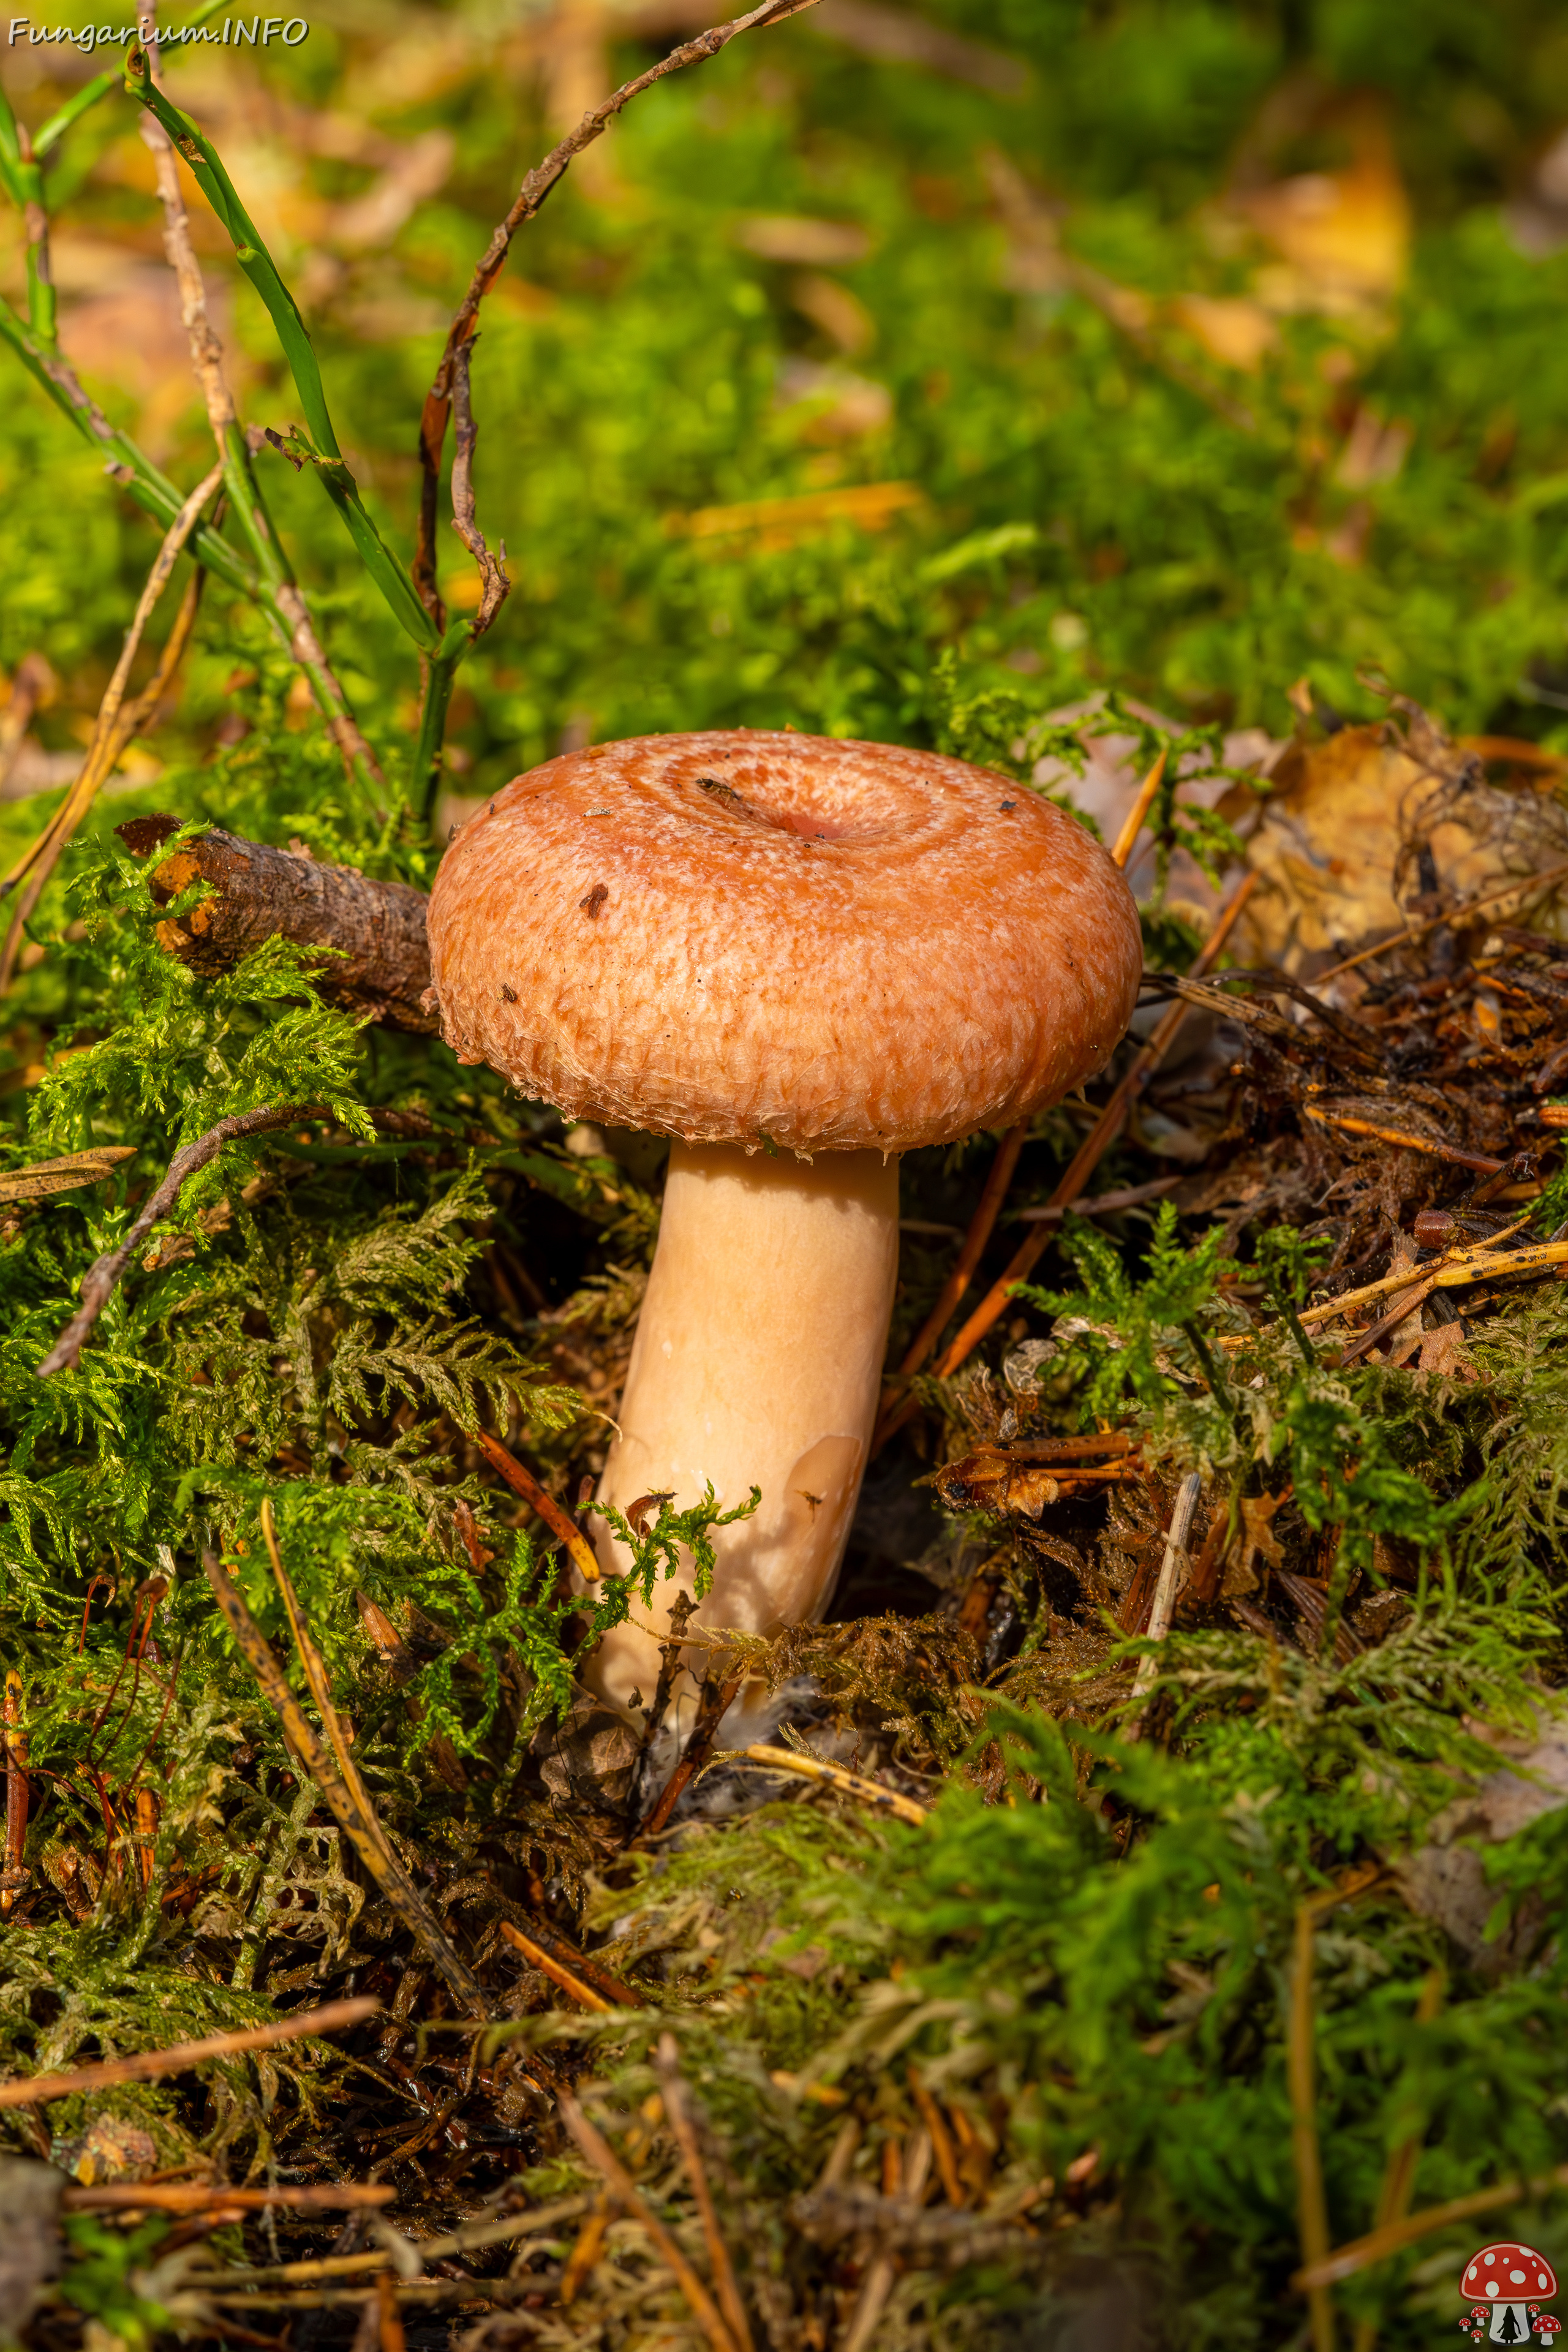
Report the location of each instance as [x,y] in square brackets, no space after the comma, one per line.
[99,1281]
[196,2195]
[1480,1160]
[834,1775]
[667,2064]
[17,1791]
[536,187]
[523,1482]
[350,1806]
[148,2065]
[879,2281]
[1473,1261]
[625,2190]
[585,1995]
[1175,1558]
[714,1704]
[471,2240]
[1523,886]
[1360,2254]
[495,586]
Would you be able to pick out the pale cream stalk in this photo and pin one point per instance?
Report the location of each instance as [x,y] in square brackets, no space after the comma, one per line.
[757,1362]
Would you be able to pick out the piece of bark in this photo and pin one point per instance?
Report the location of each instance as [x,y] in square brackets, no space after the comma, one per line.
[382,967]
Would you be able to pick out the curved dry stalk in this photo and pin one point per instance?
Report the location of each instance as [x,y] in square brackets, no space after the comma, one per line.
[678,2115]
[102,1277]
[350,1808]
[493,580]
[440,399]
[625,2193]
[836,1776]
[149,2065]
[236,447]
[115,723]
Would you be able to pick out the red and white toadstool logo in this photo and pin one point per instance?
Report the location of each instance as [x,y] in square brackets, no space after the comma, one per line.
[1503,2284]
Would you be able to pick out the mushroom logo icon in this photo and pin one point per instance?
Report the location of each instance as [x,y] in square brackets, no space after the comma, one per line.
[1503,2284]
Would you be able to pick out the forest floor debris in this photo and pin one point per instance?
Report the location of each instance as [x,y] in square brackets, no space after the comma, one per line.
[1189,1619]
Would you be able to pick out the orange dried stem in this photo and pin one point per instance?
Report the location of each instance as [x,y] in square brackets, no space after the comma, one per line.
[523,1482]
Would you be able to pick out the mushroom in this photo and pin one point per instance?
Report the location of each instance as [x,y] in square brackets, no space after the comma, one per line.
[797,957]
[1547,2325]
[1507,2277]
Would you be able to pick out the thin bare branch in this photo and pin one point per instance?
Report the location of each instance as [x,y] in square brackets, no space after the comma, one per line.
[625,2190]
[99,1282]
[109,738]
[536,187]
[353,1814]
[493,580]
[149,2065]
[678,2115]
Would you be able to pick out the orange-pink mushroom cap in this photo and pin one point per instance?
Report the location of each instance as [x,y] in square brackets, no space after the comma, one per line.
[752,938]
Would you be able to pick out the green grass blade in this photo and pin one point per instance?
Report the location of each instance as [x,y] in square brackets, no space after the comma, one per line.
[390,576]
[49,135]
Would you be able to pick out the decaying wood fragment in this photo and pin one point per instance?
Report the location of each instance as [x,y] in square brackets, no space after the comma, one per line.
[380,963]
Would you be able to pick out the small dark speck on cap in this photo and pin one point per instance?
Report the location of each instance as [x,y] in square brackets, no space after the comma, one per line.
[594,899]
[508,993]
[1008,805]
[451,832]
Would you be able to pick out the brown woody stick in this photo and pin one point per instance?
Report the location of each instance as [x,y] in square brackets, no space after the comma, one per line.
[439,400]
[716,1702]
[381,967]
[836,1776]
[468,2240]
[358,1822]
[625,2190]
[97,1284]
[1521,887]
[1479,1161]
[678,2115]
[523,1482]
[197,2196]
[1360,2254]
[148,2065]
[541,1943]
[556,1970]
[495,586]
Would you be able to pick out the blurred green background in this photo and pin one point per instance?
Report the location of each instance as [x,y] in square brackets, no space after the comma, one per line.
[1176,347]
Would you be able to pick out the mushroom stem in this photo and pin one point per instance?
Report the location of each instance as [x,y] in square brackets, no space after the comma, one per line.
[757,1362]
